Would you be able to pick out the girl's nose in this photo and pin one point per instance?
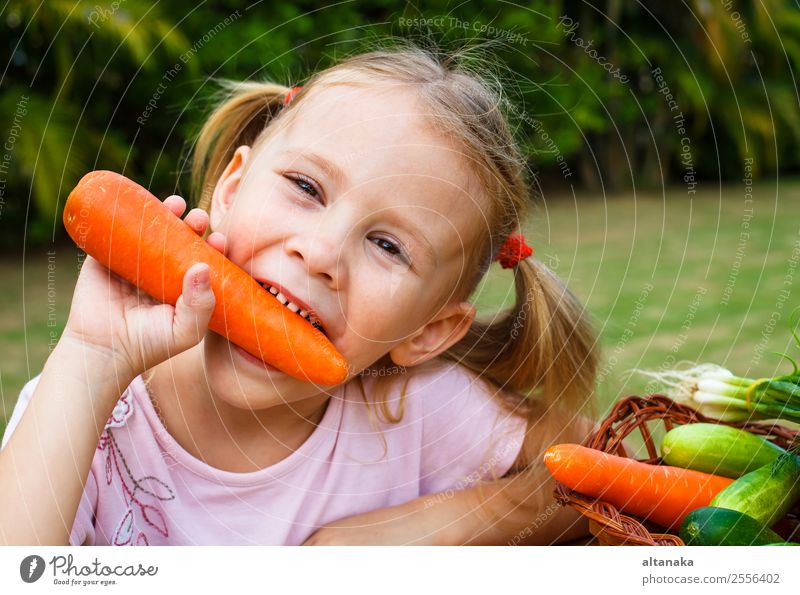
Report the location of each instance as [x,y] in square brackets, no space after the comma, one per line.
[321,254]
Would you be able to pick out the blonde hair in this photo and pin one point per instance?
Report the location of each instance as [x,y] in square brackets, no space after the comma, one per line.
[541,354]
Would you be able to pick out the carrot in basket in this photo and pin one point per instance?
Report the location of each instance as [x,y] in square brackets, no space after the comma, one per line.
[132,233]
[657,492]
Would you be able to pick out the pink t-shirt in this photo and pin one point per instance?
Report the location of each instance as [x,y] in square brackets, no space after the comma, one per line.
[144,488]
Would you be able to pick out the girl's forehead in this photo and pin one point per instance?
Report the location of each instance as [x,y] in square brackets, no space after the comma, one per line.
[382,125]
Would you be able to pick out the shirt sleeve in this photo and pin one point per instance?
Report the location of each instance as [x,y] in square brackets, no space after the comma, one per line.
[19,408]
[83,531]
[468,435]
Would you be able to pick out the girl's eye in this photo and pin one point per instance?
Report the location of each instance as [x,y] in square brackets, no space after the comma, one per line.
[306,185]
[389,247]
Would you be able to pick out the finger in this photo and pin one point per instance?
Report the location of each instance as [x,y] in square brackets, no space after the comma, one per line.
[197,219]
[217,241]
[176,204]
[194,307]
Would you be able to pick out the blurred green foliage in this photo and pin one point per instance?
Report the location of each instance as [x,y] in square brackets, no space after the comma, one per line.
[125,84]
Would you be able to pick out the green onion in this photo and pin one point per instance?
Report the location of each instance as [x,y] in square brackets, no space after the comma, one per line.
[715,391]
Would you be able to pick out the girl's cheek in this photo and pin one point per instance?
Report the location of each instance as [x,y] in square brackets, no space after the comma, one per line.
[242,237]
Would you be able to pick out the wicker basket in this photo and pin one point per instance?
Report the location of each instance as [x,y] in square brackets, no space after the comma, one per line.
[608,524]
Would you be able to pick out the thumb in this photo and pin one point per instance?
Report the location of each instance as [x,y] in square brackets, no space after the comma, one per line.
[194,308]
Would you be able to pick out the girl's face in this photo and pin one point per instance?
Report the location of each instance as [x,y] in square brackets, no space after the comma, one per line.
[360,210]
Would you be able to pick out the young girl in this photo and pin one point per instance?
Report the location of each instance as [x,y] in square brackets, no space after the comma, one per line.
[375,197]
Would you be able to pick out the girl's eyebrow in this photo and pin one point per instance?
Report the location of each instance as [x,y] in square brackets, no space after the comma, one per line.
[330,168]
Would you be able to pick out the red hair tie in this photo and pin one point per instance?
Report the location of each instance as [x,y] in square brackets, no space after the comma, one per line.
[514,250]
[290,95]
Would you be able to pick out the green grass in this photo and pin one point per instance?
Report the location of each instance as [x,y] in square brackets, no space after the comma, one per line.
[34,305]
[700,301]
[608,250]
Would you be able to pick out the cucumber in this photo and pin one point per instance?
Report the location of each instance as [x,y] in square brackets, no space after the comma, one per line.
[765,494]
[710,525]
[721,450]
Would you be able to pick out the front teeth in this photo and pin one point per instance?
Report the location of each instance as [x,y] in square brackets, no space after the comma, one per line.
[291,305]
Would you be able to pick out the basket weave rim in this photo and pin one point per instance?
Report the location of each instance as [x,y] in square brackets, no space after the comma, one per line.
[606,522]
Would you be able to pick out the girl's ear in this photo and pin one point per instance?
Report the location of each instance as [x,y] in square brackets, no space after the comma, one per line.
[446,329]
[227,185]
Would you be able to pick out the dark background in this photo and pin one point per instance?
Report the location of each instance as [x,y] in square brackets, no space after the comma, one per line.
[89,69]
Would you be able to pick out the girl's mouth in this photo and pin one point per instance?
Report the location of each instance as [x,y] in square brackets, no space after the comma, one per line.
[254,360]
[309,316]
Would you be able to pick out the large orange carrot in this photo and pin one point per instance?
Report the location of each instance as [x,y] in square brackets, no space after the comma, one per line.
[132,233]
[657,492]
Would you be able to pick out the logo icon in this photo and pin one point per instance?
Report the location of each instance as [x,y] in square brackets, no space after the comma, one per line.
[31,569]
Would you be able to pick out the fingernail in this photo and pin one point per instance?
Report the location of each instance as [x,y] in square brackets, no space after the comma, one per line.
[201,279]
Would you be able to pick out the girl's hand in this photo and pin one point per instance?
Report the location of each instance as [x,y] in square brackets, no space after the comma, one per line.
[130,330]
[406,524]
[456,518]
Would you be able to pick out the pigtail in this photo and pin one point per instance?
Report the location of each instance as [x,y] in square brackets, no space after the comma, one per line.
[552,359]
[542,348]
[238,120]
[543,355]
